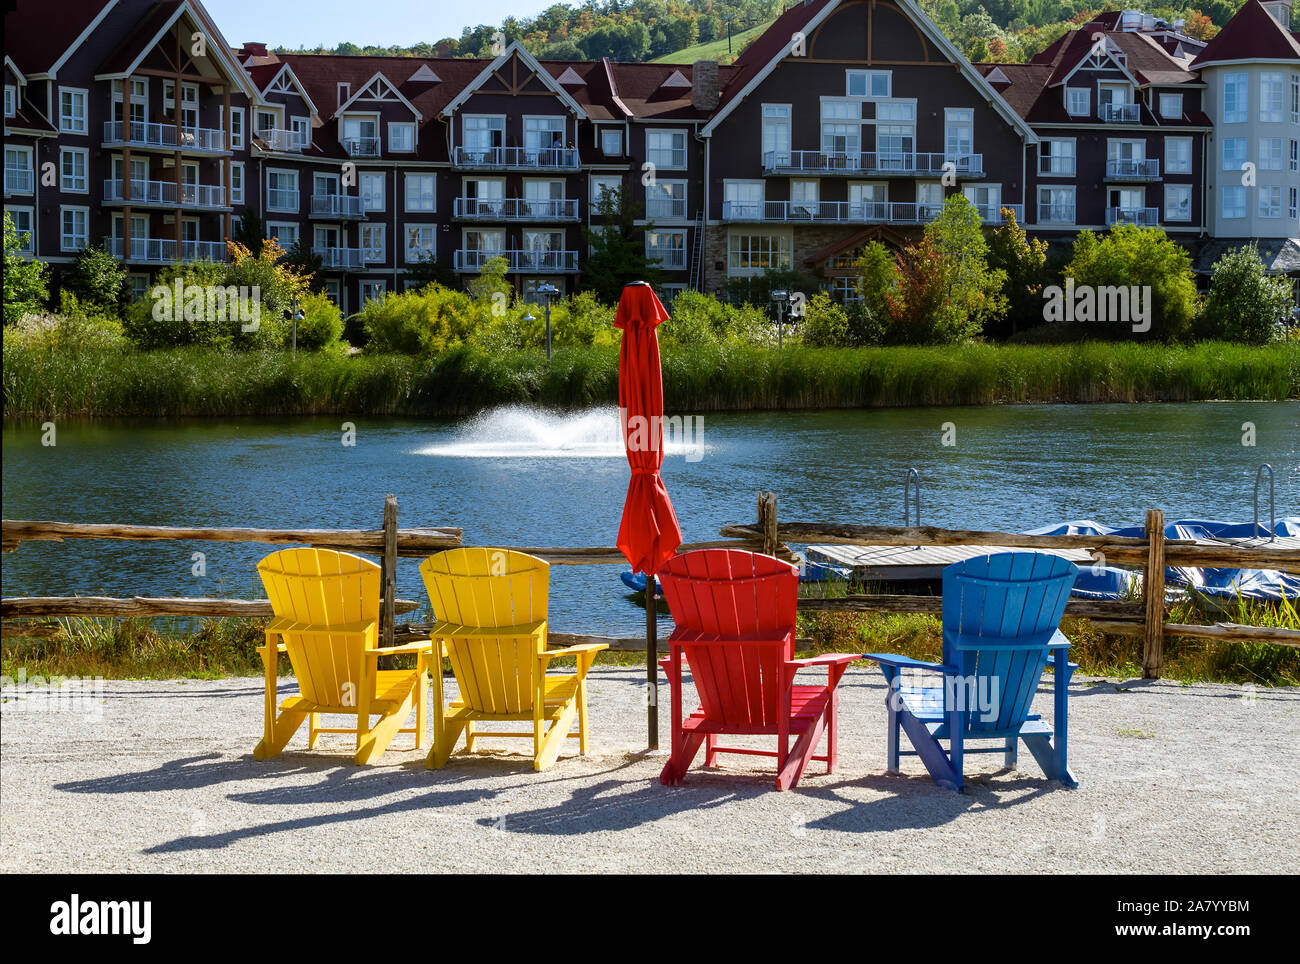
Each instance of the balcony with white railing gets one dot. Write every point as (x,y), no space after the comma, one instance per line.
(885,163)
(516,209)
(668,258)
(1120,113)
(165,194)
(18,181)
(340,259)
(282,199)
(515,159)
(361,146)
(165,250)
(278,140)
(1133,169)
(1142,217)
(336,206)
(672,209)
(1056,214)
(846,212)
(518,260)
(201,140)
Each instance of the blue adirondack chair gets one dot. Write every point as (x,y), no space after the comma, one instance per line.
(1000,618)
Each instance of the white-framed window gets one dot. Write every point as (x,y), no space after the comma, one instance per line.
(20,177)
(286,232)
(805,196)
(138,286)
(868,83)
(1178,155)
(1292,205)
(742,199)
(1234,201)
(666,149)
(756,253)
(281,190)
(236,182)
(139,101)
(987,199)
(237,127)
(1270,201)
(372,190)
(611,142)
(74,228)
(1236,98)
(11,100)
(1078,101)
(1234,153)
(343,91)
(1178,202)
(600,183)
(302,127)
(1272,89)
(776,129)
(895,132)
(1270,153)
(668,248)
(421,194)
(1293,162)
(74,169)
(665,199)
(333,292)
(929,199)
(373,290)
(265,120)
(959,132)
(1295,98)
(1171,106)
(544,133)
(401,136)
(1056,205)
(372,243)
(72,110)
(24,219)
(420,242)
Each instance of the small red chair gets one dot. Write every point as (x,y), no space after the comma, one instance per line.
(734,616)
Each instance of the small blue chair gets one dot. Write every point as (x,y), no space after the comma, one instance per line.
(1000,619)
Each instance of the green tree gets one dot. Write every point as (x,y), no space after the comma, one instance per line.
(97,279)
(1244,303)
(1024,262)
(972,290)
(491,281)
(617,249)
(251,232)
(25,284)
(305,262)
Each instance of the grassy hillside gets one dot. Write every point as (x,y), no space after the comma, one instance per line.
(715,49)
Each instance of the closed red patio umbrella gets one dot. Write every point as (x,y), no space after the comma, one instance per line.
(648,535)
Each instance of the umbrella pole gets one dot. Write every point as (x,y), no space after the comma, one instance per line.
(651,664)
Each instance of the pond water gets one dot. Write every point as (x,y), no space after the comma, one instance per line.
(528,477)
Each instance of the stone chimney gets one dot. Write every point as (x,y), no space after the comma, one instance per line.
(704,85)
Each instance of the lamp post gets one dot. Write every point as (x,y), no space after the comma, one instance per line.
(296,314)
(779,298)
(548,290)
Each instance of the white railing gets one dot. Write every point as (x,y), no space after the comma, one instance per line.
(336,206)
(339,258)
(1121,113)
(518,260)
(361,146)
(281,199)
(516,209)
(667,257)
(846,212)
(164,192)
(166,250)
(872,162)
(1056,214)
(517,158)
(278,140)
(1145,168)
(18,181)
(1142,217)
(163,135)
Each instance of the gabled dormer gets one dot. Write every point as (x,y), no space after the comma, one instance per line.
(377,111)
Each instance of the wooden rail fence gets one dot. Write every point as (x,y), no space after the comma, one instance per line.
(1150,553)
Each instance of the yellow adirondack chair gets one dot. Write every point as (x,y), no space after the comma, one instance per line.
(326,606)
(491,610)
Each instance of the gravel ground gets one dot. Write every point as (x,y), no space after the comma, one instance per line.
(159,776)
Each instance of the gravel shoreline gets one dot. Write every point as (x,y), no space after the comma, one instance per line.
(159,777)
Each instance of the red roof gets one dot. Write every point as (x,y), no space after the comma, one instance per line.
(767,45)
(1251,34)
(47,33)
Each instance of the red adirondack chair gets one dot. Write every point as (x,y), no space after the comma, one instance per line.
(734,616)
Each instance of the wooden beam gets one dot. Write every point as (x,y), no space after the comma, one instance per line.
(832,533)
(16,531)
(1153,596)
(386,614)
(933,605)
(21,607)
(1236,631)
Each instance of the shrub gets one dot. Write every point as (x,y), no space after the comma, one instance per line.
(1024,262)
(25,287)
(824,324)
(97,279)
(758,290)
(155,322)
(423,322)
(73,328)
(1244,303)
(322,323)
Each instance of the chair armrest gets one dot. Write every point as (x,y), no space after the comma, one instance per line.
(825,659)
(550,654)
(279,648)
(421,646)
(906,662)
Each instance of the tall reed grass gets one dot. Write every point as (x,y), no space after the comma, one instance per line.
(114,382)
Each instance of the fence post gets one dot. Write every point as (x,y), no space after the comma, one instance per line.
(388,614)
(1153,595)
(767,522)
